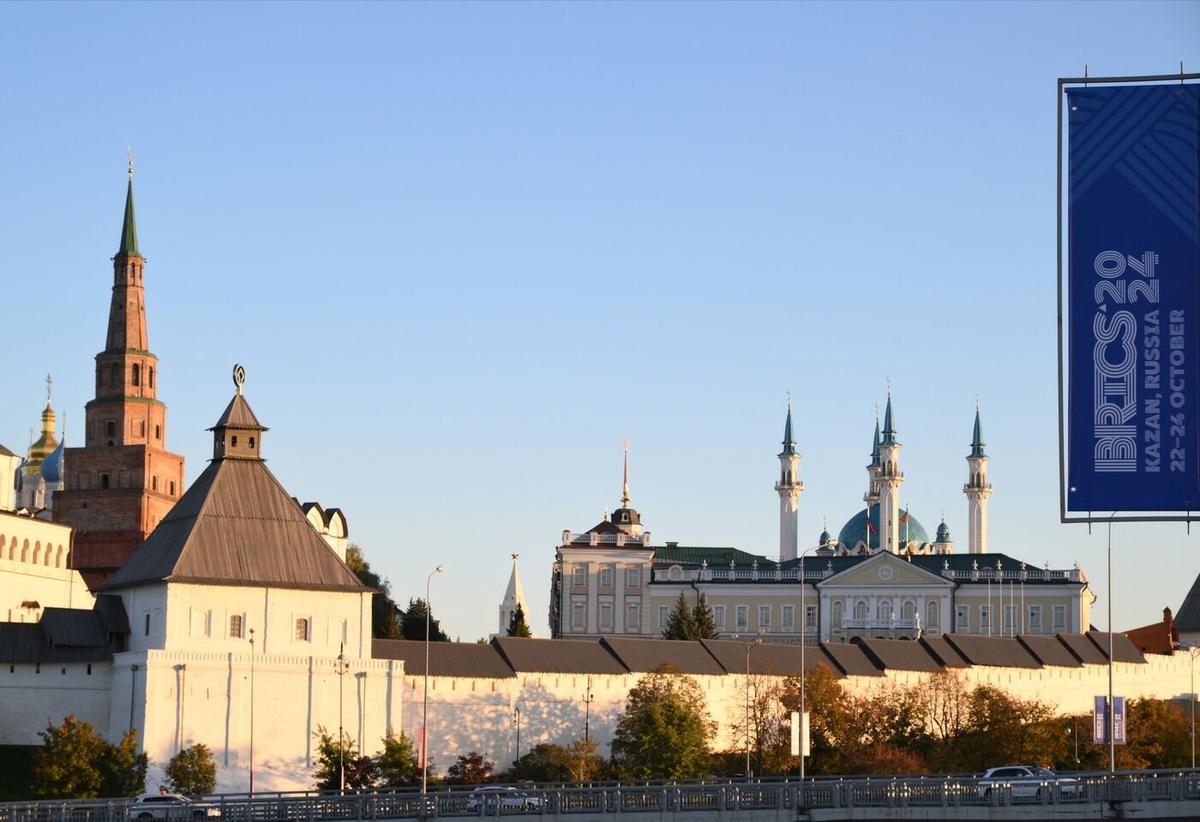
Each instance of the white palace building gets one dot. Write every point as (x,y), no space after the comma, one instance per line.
(881,577)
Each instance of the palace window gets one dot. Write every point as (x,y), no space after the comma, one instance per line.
(633,612)
(606,577)
(632,577)
(1010,618)
(962,618)
(860,609)
(302,634)
(931,614)
(664,616)
(985,618)
(741,617)
(579,576)
(719,616)
(1060,617)
(883,610)
(235,626)
(838,608)
(810,616)
(1035,619)
(908,610)
(606,616)
(764,617)
(787,617)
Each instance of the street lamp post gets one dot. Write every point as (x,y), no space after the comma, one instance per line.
(341,667)
(749,645)
(517,720)
(425,699)
(1192,652)
(803,628)
(252,712)
(587,712)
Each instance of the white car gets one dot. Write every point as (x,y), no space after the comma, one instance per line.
(502,798)
(171,807)
(1026,781)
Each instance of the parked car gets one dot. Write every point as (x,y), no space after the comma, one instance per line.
(171,807)
(1027,782)
(502,799)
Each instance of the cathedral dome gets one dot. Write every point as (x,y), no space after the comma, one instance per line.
(52,466)
(855,530)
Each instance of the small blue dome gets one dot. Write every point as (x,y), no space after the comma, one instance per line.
(52,466)
(855,530)
(824,538)
(943,532)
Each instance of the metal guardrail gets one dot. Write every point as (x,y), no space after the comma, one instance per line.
(820,793)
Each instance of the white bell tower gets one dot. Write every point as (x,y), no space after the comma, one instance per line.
(789,488)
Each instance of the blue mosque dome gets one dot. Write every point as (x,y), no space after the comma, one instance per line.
(52,465)
(855,530)
(943,532)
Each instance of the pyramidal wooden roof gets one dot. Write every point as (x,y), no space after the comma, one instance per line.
(238,415)
(236,525)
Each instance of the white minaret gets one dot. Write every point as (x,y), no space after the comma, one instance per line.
(890,480)
(977,489)
(514,595)
(789,487)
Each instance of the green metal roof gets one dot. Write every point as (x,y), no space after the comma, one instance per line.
(977,438)
(789,444)
(889,428)
(692,555)
(129,242)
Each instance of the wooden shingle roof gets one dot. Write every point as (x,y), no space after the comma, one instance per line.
(236,525)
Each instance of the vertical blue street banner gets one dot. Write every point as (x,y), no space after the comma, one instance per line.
(1119,720)
(1100,720)
(1133,278)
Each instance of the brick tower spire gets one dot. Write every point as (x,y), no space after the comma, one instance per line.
(123,481)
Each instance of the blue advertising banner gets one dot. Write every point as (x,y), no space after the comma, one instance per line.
(1134,298)
(1100,720)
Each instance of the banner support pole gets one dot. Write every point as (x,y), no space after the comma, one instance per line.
(1112,714)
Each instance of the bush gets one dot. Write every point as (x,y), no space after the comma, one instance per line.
(192,771)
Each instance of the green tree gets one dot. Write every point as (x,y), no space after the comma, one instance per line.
(123,771)
(702,617)
(470,769)
(681,624)
(68,764)
(333,755)
(664,730)
(412,624)
(583,762)
(192,771)
(385,615)
(543,763)
(517,625)
(397,763)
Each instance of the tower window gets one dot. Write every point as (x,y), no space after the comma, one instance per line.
(235,626)
(151,376)
(302,630)
(114,374)
(104,480)
(252,442)
(147,626)
(154,483)
(110,428)
(233,441)
(172,487)
(137,374)
(158,432)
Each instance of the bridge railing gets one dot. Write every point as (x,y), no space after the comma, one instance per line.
(823,792)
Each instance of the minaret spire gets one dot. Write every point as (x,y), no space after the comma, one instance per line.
(977,491)
(789,489)
(890,479)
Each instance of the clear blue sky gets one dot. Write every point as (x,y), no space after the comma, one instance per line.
(465,249)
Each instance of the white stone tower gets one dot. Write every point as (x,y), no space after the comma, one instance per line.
(977,489)
(890,480)
(514,596)
(789,487)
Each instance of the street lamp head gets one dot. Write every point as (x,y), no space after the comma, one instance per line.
(438,570)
